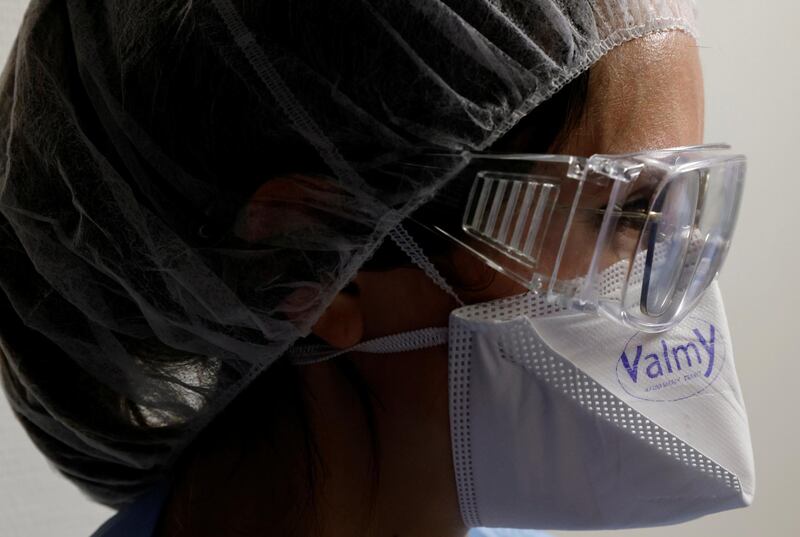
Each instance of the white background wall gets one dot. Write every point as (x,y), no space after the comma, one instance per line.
(749,51)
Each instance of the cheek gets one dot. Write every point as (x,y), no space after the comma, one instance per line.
(475,281)
(410,383)
(401,300)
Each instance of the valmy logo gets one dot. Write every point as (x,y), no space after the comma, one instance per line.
(674,365)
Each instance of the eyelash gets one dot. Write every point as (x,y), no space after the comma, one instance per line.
(635,205)
(638,205)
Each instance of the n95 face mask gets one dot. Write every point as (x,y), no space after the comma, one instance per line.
(572,421)
(567,420)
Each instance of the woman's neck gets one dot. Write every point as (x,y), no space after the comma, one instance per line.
(314,465)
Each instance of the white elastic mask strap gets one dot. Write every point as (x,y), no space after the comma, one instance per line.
(405,242)
(403,342)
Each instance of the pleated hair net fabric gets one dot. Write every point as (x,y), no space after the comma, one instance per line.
(147,275)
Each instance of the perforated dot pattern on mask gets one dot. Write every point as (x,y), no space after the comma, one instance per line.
(459,375)
(531,305)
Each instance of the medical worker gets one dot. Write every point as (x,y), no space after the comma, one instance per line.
(370,268)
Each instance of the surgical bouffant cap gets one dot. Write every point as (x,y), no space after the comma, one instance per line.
(185,185)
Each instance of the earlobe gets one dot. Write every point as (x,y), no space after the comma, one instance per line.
(280,207)
(342,324)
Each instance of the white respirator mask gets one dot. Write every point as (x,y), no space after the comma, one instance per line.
(568,420)
(563,420)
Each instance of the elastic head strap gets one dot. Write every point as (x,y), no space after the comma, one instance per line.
(409,246)
(403,342)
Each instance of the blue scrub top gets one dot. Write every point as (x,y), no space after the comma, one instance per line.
(139,519)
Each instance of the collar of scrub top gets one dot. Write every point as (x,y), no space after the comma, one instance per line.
(140,518)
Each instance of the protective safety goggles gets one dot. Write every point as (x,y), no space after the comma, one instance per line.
(637,236)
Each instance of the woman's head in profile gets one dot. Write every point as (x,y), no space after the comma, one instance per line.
(228,262)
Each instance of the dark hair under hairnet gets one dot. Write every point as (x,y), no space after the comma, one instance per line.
(134,307)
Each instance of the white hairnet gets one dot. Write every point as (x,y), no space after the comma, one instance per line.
(133,306)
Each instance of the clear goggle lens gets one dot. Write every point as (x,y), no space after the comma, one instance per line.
(683,244)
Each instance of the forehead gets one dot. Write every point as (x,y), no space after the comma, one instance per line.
(645,94)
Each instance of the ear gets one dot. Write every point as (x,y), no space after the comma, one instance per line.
(342,324)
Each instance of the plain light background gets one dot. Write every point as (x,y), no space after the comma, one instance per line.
(749,51)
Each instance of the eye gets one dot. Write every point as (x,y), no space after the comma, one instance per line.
(634,212)
(631,215)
